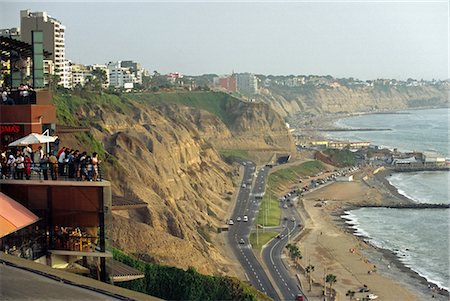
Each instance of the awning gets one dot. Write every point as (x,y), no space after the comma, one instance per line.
(121,272)
(33,138)
(13,216)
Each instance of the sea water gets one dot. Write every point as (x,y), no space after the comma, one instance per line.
(419,237)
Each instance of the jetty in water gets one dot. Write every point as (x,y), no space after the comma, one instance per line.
(414,168)
(352,130)
(412,206)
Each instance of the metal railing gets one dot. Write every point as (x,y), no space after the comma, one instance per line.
(52,171)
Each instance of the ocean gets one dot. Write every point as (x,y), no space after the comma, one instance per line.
(420,238)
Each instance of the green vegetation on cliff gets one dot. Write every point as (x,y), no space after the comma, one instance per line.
(341,158)
(270,212)
(171,283)
(231,155)
(217,103)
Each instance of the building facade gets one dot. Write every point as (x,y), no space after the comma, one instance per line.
(54,40)
(121,76)
(247,83)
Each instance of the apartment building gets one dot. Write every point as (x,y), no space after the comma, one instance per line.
(123,74)
(79,74)
(247,83)
(54,40)
(103,68)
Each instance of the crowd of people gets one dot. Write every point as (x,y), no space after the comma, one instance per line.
(24,95)
(19,164)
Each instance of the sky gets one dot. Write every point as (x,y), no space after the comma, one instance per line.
(360,39)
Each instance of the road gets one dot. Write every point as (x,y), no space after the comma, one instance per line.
(248,205)
(18,284)
(272,255)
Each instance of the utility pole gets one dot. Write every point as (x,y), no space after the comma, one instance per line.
(257,236)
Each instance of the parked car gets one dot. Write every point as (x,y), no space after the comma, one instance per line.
(230,222)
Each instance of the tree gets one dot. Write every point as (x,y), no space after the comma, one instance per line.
(330,278)
(294,252)
(100,77)
(350,294)
(309,270)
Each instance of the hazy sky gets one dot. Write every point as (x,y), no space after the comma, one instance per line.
(358,39)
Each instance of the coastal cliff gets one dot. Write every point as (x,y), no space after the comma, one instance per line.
(316,100)
(162,149)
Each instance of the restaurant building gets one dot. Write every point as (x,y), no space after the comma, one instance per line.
(32,111)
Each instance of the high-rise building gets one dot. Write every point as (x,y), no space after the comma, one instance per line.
(247,83)
(54,33)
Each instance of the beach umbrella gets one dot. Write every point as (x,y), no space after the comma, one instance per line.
(13,216)
(33,138)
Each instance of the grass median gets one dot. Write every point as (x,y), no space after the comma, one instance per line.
(263,238)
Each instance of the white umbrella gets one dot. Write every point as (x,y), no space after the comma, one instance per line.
(33,138)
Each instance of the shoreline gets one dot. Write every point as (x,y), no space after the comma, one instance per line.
(381,177)
(388,264)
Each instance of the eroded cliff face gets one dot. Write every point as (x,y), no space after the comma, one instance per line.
(167,156)
(288,100)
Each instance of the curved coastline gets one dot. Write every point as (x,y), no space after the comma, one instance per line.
(393,256)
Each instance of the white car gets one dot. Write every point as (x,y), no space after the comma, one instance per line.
(238,219)
(245,218)
(242,241)
(230,222)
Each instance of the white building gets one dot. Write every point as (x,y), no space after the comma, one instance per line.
(120,75)
(54,40)
(247,83)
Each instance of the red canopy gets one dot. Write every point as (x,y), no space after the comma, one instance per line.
(13,216)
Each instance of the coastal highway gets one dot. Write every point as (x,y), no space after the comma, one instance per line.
(248,205)
(271,255)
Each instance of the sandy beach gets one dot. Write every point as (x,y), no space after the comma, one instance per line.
(328,244)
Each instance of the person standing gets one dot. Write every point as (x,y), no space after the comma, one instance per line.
(11,165)
(43,163)
(71,164)
(27,151)
(95,163)
(61,162)
(20,166)
(27,163)
(53,162)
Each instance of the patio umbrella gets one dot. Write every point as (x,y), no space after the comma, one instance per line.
(33,138)
(13,216)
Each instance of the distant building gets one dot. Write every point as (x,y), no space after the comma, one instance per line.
(247,83)
(104,68)
(135,68)
(124,73)
(13,33)
(80,74)
(227,83)
(348,144)
(54,40)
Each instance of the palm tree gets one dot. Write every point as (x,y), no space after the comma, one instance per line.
(330,278)
(309,270)
(350,294)
(294,252)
